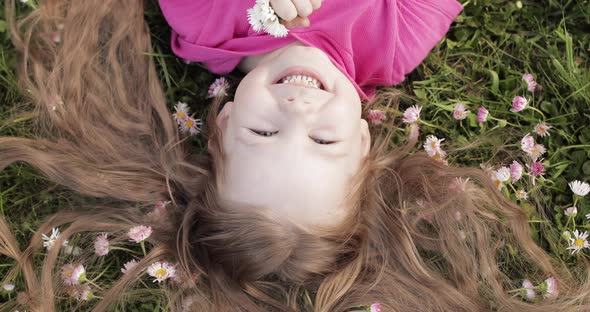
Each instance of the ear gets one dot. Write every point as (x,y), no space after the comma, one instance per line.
(222,119)
(365,138)
(223,115)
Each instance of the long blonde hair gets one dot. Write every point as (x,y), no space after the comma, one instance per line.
(418,239)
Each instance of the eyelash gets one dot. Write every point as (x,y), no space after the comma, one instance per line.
(269,133)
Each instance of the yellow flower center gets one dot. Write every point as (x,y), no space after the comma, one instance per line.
(69,273)
(189,123)
(433,144)
(161,273)
(497,183)
(579,242)
(181,115)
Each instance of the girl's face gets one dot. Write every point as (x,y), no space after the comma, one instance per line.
(275,135)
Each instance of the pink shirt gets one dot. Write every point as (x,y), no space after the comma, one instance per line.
(373,42)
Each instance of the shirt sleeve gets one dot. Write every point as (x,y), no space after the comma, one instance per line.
(421,25)
(202,30)
(187,18)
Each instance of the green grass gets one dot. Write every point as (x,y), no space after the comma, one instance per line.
(480,62)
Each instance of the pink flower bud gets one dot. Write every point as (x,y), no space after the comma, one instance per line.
(515,171)
(518,104)
(376,116)
(528,77)
(482,114)
(460,112)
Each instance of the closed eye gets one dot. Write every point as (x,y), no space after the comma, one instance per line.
(271,133)
(264,133)
(322,142)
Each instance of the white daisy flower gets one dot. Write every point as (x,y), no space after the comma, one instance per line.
(263,17)
(432,145)
(529,289)
(182,111)
(129,265)
(536,151)
(82,293)
(139,233)
(255,18)
(191,125)
(460,112)
(72,250)
(440,155)
(571,211)
(101,245)
(73,274)
(503,174)
(275,28)
(578,242)
(161,270)
(521,194)
(8,287)
(542,129)
(497,182)
(49,241)
(412,114)
(579,188)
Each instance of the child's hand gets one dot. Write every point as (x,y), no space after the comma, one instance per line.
(295,12)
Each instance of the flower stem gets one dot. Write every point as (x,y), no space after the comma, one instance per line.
(433,126)
(123,249)
(538,111)
(93,284)
(142,248)
(504,120)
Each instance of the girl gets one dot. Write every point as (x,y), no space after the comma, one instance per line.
(300,142)
(413,234)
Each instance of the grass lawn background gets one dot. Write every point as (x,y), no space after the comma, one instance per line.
(480,63)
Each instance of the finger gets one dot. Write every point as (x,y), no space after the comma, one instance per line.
(284,9)
(316,4)
(304,7)
(297,22)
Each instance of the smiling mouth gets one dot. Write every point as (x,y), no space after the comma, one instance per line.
(301,77)
(301,80)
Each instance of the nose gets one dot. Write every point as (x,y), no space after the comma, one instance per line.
(299,103)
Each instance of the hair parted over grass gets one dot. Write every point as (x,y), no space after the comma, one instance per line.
(415,240)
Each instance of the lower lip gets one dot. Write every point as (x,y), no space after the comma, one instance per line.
(301,71)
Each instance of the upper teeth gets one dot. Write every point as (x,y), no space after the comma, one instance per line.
(302,78)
